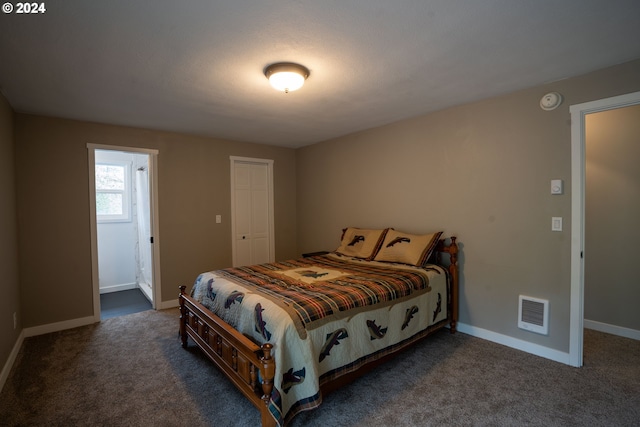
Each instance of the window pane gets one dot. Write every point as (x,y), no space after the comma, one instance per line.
(109,177)
(109,204)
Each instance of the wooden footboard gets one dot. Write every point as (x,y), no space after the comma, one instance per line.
(241,359)
(236,355)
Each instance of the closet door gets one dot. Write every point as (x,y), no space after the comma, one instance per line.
(252,211)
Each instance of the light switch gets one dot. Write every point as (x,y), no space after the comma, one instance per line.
(218,219)
(556,223)
(556,186)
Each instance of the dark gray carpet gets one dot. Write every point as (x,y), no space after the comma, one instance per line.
(118,373)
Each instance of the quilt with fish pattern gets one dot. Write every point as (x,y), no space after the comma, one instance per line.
(325,316)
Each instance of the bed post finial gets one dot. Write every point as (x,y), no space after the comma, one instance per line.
(454,250)
(183,317)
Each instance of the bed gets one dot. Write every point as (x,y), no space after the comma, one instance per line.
(285,333)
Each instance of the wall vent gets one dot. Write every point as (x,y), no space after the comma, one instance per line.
(533,314)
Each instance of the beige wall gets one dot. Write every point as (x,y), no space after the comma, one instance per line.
(612,288)
(479,171)
(9,289)
(53,208)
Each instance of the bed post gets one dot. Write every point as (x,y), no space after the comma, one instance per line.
(183,317)
(453,271)
(268,373)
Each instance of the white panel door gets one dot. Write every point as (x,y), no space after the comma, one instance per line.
(252,216)
(242,209)
(259,213)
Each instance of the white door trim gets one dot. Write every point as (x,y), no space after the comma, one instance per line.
(269,163)
(578,166)
(155,222)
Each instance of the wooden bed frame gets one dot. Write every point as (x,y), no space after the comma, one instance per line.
(241,359)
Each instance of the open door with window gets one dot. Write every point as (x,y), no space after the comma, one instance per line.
(123,230)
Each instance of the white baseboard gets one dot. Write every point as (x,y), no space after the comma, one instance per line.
(118,288)
(59,326)
(612,329)
(11,360)
(169,304)
(535,349)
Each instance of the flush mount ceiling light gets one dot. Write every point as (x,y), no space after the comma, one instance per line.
(286,76)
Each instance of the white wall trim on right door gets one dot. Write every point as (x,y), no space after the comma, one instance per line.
(612,329)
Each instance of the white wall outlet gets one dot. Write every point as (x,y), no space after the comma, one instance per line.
(556,223)
(15,320)
(218,219)
(556,186)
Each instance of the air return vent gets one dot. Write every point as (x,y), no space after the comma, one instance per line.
(533,315)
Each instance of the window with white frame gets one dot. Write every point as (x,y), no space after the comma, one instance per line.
(113,191)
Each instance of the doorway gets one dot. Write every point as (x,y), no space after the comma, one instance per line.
(612,208)
(123,230)
(578,166)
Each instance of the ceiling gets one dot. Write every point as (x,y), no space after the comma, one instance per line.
(197,66)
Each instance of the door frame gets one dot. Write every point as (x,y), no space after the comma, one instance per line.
(269,163)
(155,221)
(578,179)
